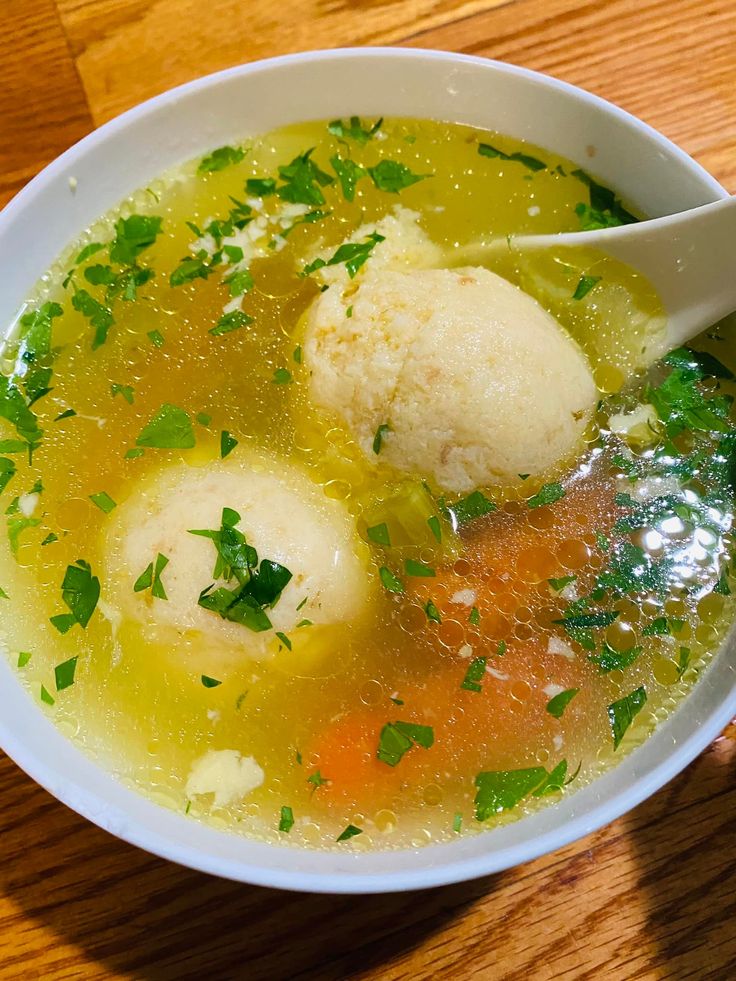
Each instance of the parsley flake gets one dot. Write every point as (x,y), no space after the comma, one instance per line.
(549,494)
(475,674)
(210,682)
(64,673)
(585,285)
(622,713)
(286,821)
(397,738)
(354,129)
(103,501)
(80,591)
(379,534)
(557,705)
(418,569)
(353,254)
(282,376)
(378,438)
(230,322)
(392,176)
(531,163)
(350,832)
(170,428)
(227,443)
(223,156)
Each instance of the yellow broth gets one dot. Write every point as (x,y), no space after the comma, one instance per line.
(313,716)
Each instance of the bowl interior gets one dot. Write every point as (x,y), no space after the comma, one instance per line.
(133,149)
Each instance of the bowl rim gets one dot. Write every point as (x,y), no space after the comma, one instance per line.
(111,818)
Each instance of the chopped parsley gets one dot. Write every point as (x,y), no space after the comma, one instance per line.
(302,181)
(559,584)
(474,617)
(378,438)
(379,534)
(392,176)
(284,639)
(317,780)
(229,322)
(435,528)
(432,612)
(150,578)
(220,158)
(50,538)
(23,658)
(531,163)
(125,390)
(210,682)
(354,129)
(390,581)
(418,569)
(605,210)
(227,443)
(297,354)
(80,591)
(474,675)
(475,505)
(260,187)
(580,626)
(549,494)
(156,338)
(622,713)
(683,660)
(662,626)
(584,286)
(353,254)
(7,472)
(64,673)
(46,697)
(502,790)
(397,738)
(99,315)
(350,832)
(103,501)
(286,821)
(612,660)
(348,173)
(282,376)
(169,429)
(457,823)
(257,586)
(557,705)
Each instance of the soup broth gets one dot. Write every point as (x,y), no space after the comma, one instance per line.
(502,647)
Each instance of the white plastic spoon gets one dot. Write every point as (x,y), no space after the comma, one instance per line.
(689,258)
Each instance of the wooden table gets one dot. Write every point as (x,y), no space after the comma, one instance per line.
(652,896)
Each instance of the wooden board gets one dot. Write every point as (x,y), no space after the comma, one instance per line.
(652,896)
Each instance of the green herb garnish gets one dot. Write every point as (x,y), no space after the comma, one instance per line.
(432,612)
(584,286)
(622,713)
(353,254)
(227,443)
(80,591)
(379,534)
(150,578)
(220,158)
(557,705)
(418,569)
(282,376)
(378,438)
(549,494)
(210,682)
(392,176)
(390,581)
(229,322)
(612,660)
(286,821)
(475,505)
(397,738)
(531,163)
(64,673)
(103,501)
(170,428)
(474,675)
(350,832)
(354,129)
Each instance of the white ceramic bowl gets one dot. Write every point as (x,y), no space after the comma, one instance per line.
(131,150)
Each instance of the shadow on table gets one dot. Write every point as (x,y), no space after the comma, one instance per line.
(682,845)
(144,918)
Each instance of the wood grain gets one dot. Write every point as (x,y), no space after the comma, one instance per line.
(650,897)
(672,64)
(43,107)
